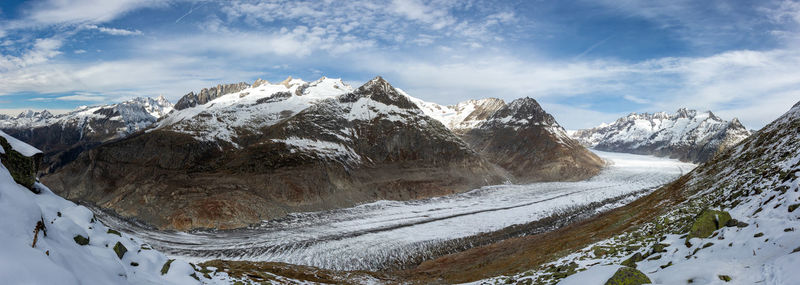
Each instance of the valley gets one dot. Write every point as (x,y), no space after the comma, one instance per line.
(397,234)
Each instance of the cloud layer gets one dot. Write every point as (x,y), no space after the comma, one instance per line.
(736,59)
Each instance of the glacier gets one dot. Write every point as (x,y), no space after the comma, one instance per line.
(391,234)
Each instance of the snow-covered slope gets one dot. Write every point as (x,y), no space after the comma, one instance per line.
(463,116)
(739,222)
(70,245)
(687,135)
(226,117)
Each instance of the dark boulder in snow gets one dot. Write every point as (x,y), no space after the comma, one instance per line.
(707,222)
(628,276)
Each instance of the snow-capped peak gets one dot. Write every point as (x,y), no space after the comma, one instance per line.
(462,116)
(252,107)
(667,134)
(135,114)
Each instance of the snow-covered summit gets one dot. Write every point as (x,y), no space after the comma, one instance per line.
(134,114)
(259,105)
(687,134)
(462,116)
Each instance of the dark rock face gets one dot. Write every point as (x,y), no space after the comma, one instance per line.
(527,141)
(686,135)
(207,94)
(22,168)
(363,146)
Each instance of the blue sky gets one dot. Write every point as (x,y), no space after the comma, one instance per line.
(586,61)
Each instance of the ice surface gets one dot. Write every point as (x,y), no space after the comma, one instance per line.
(379,234)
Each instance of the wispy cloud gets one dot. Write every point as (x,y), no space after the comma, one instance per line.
(50,12)
(83,97)
(114,31)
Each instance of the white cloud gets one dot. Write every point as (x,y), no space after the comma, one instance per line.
(51,12)
(752,85)
(436,17)
(635,99)
(41,50)
(114,31)
(83,97)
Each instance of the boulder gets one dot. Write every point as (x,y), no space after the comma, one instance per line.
(22,168)
(707,222)
(628,276)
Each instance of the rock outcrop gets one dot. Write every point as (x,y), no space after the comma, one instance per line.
(207,94)
(21,160)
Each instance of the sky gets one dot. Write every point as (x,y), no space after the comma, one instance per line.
(585,61)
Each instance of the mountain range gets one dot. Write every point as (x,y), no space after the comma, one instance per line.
(732,219)
(230,160)
(63,137)
(236,154)
(687,135)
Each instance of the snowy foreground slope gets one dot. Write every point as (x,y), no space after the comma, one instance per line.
(73,247)
(739,223)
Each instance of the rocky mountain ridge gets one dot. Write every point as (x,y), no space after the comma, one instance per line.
(528,142)
(520,137)
(687,135)
(62,137)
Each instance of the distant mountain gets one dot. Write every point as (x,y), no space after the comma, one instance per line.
(463,116)
(63,137)
(271,149)
(520,137)
(527,141)
(686,135)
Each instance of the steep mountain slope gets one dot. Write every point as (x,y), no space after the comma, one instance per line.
(733,219)
(64,136)
(686,135)
(520,137)
(272,149)
(528,142)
